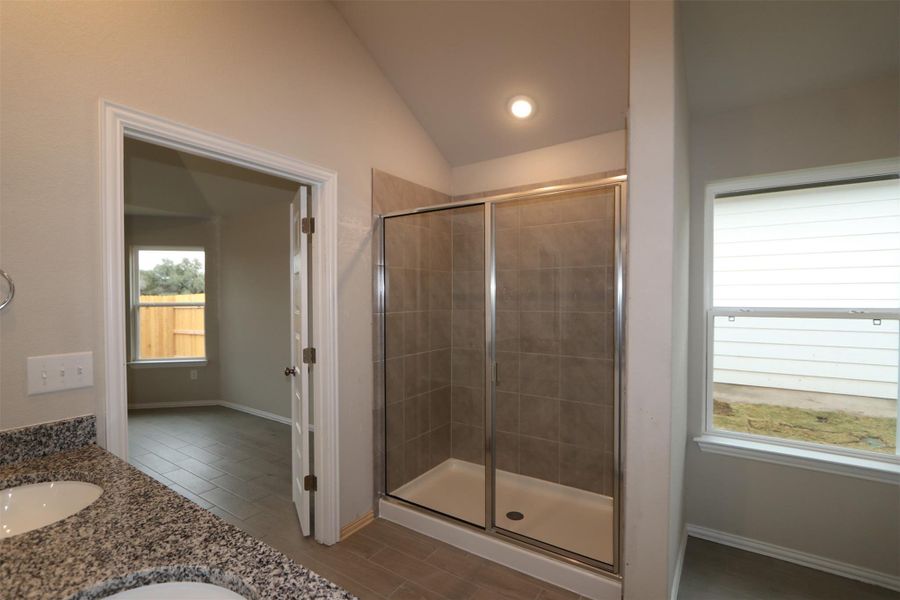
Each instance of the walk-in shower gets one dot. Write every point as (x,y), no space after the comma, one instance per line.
(501,320)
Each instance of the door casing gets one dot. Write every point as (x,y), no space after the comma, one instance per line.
(118,122)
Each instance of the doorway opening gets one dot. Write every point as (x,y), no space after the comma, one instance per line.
(219,274)
(216,278)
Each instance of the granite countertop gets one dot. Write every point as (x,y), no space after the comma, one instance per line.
(137,532)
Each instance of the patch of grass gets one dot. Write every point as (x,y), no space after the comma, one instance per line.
(835,428)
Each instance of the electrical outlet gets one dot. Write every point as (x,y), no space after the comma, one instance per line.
(193,374)
(56,372)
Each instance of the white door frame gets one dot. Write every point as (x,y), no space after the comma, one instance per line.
(118,122)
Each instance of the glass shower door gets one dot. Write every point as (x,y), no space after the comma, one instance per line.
(554,332)
(434,336)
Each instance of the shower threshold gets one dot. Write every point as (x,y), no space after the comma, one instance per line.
(575,520)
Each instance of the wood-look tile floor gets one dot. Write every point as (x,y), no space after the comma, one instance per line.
(238,466)
(716,572)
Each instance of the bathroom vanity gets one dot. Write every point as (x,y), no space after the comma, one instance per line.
(136,533)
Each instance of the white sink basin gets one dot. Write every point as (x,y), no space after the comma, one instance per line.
(178,590)
(36,505)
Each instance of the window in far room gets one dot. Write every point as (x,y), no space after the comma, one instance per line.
(168,304)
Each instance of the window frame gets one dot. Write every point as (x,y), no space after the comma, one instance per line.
(135,304)
(823,457)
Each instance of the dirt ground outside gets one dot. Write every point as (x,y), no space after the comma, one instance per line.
(846,421)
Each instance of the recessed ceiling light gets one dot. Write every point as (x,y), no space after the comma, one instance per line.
(521,107)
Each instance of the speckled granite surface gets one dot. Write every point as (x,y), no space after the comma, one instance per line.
(138,532)
(46,438)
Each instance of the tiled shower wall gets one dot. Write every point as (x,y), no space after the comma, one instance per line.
(555,339)
(555,269)
(467,325)
(416,425)
(417,349)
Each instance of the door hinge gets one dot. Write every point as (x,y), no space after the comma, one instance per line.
(309,356)
(308,225)
(310,483)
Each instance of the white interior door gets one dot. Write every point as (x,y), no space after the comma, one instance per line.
(300,370)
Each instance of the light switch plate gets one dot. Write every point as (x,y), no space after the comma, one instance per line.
(56,372)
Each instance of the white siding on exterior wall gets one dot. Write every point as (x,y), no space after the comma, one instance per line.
(825,247)
(837,356)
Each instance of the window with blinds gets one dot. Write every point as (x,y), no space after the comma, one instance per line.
(803,323)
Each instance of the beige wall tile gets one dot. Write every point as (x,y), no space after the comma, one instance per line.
(581,467)
(539,417)
(506,247)
(585,288)
(440,365)
(582,334)
(507,451)
(391,193)
(539,332)
(468,329)
(439,412)
(586,379)
(415,332)
(539,374)
(507,331)
(506,412)
(394,332)
(507,282)
(439,328)
(468,250)
(508,371)
(394,381)
(467,367)
(582,424)
(468,290)
(467,443)
(539,458)
(467,405)
(539,289)
(416,416)
(416,374)
(439,445)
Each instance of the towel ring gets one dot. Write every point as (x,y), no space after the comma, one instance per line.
(12,289)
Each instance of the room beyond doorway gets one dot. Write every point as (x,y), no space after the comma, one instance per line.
(217,286)
(229,462)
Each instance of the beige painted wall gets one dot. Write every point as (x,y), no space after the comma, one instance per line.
(173,383)
(255,308)
(838,517)
(287,77)
(680,311)
(654,303)
(604,152)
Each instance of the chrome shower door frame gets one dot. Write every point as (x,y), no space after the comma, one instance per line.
(619,186)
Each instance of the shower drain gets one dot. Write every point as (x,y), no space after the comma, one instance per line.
(514,515)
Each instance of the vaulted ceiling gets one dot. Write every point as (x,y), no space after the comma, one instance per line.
(457,63)
(164,182)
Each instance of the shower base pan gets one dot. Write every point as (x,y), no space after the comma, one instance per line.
(554,514)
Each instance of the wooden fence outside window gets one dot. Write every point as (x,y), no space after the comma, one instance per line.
(172,331)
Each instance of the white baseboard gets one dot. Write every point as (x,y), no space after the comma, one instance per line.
(256,412)
(191,403)
(188,404)
(679,565)
(813,561)
(563,574)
